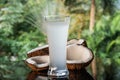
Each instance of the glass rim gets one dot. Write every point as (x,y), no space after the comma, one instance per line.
(56,18)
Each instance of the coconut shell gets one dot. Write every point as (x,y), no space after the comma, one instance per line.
(78,42)
(78,57)
(41,51)
(34,68)
(38,63)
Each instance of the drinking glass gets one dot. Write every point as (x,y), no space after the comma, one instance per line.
(57,32)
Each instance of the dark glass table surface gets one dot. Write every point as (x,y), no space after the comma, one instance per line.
(73,75)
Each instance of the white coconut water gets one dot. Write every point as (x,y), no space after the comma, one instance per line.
(57,32)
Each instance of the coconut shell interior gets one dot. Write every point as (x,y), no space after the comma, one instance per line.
(78,56)
(37,63)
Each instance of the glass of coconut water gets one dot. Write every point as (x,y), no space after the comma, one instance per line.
(57,32)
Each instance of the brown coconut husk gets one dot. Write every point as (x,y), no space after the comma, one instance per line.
(38,63)
(76,64)
(41,51)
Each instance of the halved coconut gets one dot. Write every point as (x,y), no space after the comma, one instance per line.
(39,51)
(38,63)
(78,56)
(79,42)
(43,50)
(73,41)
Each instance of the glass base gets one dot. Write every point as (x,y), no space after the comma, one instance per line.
(58,73)
(58,78)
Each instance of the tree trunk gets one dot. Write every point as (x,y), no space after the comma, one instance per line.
(91,28)
(92,16)
(94,70)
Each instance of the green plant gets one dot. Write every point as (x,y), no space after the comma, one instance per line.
(17,37)
(105,43)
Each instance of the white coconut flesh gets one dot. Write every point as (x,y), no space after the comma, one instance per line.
(80,41)
(39,61)
(78,54)
(73,41)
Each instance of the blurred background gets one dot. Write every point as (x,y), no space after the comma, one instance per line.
(96,21)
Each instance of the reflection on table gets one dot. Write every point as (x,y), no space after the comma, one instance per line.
(73,75)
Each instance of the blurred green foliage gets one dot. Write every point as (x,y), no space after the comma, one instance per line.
(105,40)
(17,37)
(20,31)
(105,43)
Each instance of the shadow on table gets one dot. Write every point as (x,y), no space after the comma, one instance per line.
(73,75)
